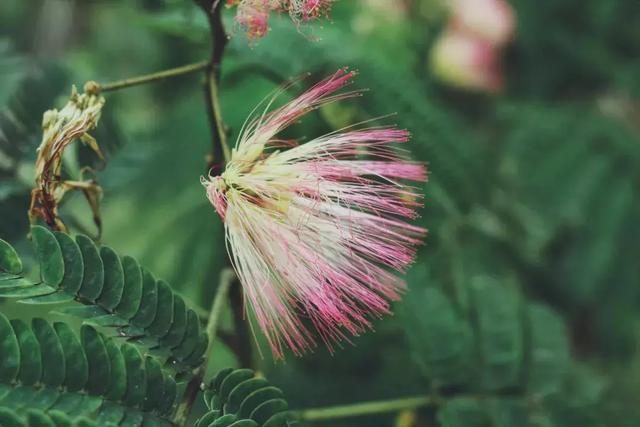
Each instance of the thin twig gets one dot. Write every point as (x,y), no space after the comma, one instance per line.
(96,87)
(226,279)
(366,408)
(195,384)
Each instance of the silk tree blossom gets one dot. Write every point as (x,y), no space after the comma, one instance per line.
(316,229)
(253,15)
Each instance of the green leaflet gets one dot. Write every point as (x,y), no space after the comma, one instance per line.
(49,255)
(73,263)
(9,260)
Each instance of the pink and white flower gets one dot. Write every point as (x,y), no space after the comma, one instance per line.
(316,229)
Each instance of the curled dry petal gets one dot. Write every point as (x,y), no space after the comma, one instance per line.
(61,128)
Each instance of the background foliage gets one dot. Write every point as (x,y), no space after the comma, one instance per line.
(525,301)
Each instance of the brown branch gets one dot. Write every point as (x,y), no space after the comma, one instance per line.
(219,155)
(243,340)
(219,147)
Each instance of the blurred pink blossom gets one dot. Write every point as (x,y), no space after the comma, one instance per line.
(467,54)
(466,62)
(313,229)
(490,20)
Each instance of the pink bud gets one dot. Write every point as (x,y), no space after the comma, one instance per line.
(465,61)
(491,20)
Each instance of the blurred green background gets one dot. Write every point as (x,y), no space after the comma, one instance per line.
(524,305)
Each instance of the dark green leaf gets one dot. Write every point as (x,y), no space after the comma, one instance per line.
(108,320)
(190,340)
(7,276)
(69,402)
(149,304)
(83,312)
(54,298)
(113,279)
(257,398)
(98,361)
(77,370)
(267,409)
(44,398)
(93,276)
(197,355)
(53,361)
(441,341)
(207,419)
(17,398)
(155,382)
(500,330)
(49,255)
(73,263)
(178,327)
(169,392)
(9,259)
(90,404)
(8,418)
(38,419)
(241,391)
(136,376)
(60,419)
(15,282)
(31,291)
(280,419)
(550,358)
(164,312)
(224,421)
(118,385)
(132,419)
(110,414)
(30,356)
(132,293)
(10,351)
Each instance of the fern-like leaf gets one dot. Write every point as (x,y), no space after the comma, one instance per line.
(114,291)
(47,368)
(237,398)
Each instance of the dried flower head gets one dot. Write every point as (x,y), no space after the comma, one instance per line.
(314,229)
(61,128)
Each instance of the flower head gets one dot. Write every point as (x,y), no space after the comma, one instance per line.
(253,15)
(315,229)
